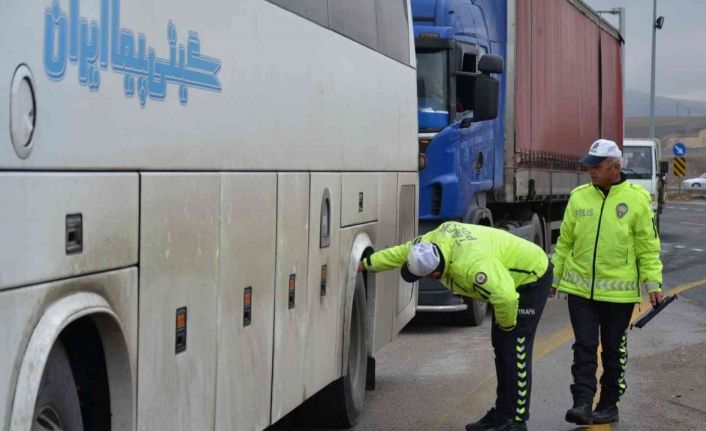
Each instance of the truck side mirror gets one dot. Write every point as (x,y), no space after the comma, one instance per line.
(663,168)
(490,63)
(486,94)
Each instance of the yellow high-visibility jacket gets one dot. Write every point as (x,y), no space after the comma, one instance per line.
(609,247)
(480,262)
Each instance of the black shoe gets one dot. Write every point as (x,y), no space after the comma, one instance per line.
(606,415)
(580,414)
(486,422)
(509,425)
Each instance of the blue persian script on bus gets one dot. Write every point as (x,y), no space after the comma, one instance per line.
(69,38)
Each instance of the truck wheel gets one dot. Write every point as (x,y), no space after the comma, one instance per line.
(696,186)
(57,407)
(473,315)
(340,404)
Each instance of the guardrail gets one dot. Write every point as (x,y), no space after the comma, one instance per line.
(688,193)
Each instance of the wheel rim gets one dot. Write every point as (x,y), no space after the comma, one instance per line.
(47,420)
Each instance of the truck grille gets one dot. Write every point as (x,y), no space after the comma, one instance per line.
(436,199)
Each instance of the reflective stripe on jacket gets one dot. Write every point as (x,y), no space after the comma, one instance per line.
(609,247)
(480,262)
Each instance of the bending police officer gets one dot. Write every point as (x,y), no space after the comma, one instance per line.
(607,251)
(490,265)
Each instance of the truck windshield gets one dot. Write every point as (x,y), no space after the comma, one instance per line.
(637,162)
(432,92)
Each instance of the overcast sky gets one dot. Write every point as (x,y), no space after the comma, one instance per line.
(681,45)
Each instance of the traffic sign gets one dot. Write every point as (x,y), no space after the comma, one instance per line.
(679,166)
(679,149)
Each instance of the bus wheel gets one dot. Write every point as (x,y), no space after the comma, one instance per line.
(471,316)
(57,407)
(347,403)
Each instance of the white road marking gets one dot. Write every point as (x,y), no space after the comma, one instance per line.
(692,224)
(679,246)
(671,208)
(696,249)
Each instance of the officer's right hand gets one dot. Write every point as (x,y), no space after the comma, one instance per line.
(552,292)
(361,267)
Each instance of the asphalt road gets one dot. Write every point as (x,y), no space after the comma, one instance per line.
(435,376)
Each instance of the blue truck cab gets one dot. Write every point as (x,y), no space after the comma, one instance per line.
(459,44)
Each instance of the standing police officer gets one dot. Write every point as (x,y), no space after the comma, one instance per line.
(489,265)
(608,250)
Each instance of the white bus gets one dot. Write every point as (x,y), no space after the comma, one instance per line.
(186,189)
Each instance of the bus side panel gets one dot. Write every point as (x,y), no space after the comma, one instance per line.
(247,261)
(386,283)
(35,209)
(291,317)
(406,230)
(322,336)
(178,272)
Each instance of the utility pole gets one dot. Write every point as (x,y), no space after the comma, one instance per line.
(657,24)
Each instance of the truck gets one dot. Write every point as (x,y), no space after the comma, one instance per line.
(560,89)
(186,191)
(643,165)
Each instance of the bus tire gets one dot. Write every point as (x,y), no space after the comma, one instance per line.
(340,404)
(57,407)
(473,315)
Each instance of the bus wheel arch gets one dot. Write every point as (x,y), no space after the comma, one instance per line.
(340,403)
(83,329)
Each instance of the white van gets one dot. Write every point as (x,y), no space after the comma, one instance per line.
(642,165)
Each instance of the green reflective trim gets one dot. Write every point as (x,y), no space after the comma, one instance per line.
(622,384)
(522,392)
(522,374)
(522,355)
(606,285)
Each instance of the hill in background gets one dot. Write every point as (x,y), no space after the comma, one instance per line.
(637,104)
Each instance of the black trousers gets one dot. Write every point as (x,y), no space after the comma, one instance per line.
(589,319)
(513,351)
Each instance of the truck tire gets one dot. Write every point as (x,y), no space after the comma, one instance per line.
(473,315)
(57,407)
(340,404)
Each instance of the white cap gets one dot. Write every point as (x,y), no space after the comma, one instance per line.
(601,149)
(422,260)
